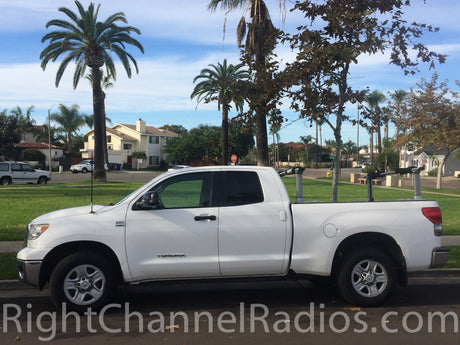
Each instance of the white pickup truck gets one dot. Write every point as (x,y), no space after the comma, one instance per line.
(228,222)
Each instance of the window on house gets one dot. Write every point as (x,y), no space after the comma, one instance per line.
(109,138)
(154,139)
(154,160)
(127,146)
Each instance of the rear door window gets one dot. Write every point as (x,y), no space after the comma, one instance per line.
(242,188)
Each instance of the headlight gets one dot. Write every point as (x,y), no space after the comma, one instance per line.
(35,230)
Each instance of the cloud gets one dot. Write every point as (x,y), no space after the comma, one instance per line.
(163,84)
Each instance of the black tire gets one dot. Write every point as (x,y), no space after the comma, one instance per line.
(42,180)
(367,277)
(83,280)
(84,170)
(4,181)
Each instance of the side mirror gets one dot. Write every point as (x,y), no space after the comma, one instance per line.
(149,201)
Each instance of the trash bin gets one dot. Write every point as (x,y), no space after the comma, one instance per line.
(60,169)
(118,166)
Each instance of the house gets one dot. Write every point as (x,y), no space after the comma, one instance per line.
(430,157)
(124,139)
(30,143)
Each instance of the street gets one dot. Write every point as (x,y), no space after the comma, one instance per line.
(276,312)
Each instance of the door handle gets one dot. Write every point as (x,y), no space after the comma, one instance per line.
(198,218)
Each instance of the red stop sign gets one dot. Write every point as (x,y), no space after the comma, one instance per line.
(234,158)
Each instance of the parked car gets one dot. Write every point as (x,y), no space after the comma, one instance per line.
(229,222)
(177,167)
(367,164)
(84,167)
(20,172)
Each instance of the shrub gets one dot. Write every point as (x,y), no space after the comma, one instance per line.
(370,168)
(433,172)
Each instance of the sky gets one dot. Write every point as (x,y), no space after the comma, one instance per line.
(181,37)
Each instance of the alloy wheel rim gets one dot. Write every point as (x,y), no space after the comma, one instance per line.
(84,284)
(369,278)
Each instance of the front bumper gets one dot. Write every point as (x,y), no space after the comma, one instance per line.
(29,272)
(439,257)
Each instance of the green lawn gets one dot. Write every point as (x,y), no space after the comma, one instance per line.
(20,205)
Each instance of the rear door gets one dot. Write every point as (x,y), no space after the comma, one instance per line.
(177,239)
(253,227)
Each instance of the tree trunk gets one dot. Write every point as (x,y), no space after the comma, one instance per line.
(371,146)
(99,172)
(224,135)
(439,177)
(261,138)
(336,170)
(379,138)
(316,147)
(106,150)
(440,167)
(69,141)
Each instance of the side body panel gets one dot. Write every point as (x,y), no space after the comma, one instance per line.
(320,228)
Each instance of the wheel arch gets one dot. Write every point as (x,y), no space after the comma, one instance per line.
(60,252)
(381,241)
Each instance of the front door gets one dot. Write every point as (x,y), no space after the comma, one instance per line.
(178,238)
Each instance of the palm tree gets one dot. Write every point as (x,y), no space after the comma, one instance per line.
(360,98)
(25,121)
(373,100)
(218,83)
(89,120)
(41,135)
(260,37)
(70,120)
(89,43)
(398,97)
(275,128)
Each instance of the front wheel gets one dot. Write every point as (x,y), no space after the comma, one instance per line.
(84,170)
(367,277)
(42,180)
(5,181)
(82,280)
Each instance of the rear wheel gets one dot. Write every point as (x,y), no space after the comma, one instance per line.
(367,277)
(83,280)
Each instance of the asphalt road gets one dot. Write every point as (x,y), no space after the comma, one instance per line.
(426,312)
